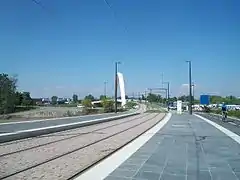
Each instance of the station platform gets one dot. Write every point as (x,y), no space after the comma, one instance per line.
(185,148)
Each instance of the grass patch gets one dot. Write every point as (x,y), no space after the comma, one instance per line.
(232,113)
(24,108)
(3,120)
(155,108)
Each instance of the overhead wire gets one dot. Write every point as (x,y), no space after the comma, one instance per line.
(39,4)
(43,7)
(114,14)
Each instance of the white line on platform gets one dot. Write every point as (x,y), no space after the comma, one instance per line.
(104,168)
(62,125)
(232,123)
(231,134)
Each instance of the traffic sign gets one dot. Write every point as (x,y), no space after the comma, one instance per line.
(205,99)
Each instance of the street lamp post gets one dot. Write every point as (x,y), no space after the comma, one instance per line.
(190,85)
(168,96)
(162,79)
(116,83)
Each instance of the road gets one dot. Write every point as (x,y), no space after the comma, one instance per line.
(13,127)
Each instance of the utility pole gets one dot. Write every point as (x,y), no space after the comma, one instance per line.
(145,96)
(193,88)
(116,84)
(105,89)
(168,95)
(168,87)
(190,85)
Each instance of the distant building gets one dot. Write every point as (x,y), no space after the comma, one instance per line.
(46,101)
(37,101)
(64,100)
(68,100)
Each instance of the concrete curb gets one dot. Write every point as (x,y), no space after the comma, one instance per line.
(52,119)
(6,137)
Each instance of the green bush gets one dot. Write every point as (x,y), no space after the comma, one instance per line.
(68,114)
(24,108)
(233,113)
(121,109)
(87,111)
(108,105)
(87,103)
(130,104)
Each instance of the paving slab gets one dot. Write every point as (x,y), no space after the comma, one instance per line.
(186,148)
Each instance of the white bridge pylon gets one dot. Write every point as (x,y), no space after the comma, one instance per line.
(122,88)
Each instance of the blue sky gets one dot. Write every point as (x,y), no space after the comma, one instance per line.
(70,46)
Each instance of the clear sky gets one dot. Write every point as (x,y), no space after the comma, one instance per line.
(70,46)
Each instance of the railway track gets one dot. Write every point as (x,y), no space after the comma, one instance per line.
(99,135)
(69,135)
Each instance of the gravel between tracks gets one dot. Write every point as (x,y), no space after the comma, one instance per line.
(68,165)
(13,146)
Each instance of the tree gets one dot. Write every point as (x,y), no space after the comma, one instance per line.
(102,97)
(216,99)
(164,100)
(196,101)
(154,98)
(75,98)
(90,97)
(18,98)
(228,99)
(183,98)
(7,93)
(27,100)
(174,99)
(54,100)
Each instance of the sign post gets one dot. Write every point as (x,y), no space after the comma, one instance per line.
(179,107)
